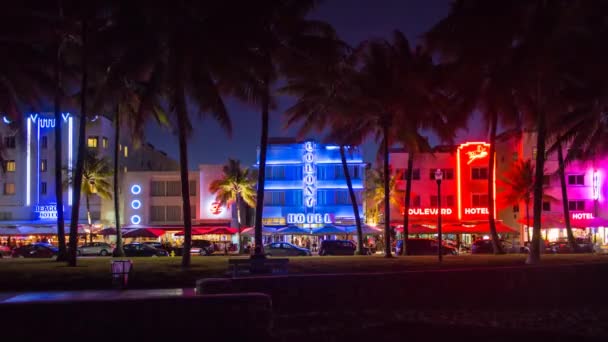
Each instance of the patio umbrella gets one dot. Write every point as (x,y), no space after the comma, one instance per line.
(416,228)
(328,230)
(476,228)
(222,231)
(365,229)
(107,231)
(293,230)
(546,222)
(144,232)
(196,231)
(249,231)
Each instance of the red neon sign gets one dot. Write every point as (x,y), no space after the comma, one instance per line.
(429,211)
(471,155)
(215,208)
(582,216)
(480,153)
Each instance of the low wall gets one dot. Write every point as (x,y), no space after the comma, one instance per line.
(227,317)
(512,287)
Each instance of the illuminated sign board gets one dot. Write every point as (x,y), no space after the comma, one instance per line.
(582,216)
(429,211)
(476,211)
(46,212)
(596,185)
(309,181)
(308,218)
(479,153)
(215,208)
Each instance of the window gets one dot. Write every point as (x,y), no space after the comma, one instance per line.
(546,180)
(546,206)
(174,188)
(96,215)
(44,142)
(6,216)
(342,197)
(534,150)
(449,201)
(9,188)
(43,188)
(274,198)
(479,173)
(192,211)
(401,174)
(515,156)
(158,188)
(10,166)
(157,213)
(192,187)
(275,172)
(43,165)
(516,208)
(10,142)
(104,142)
(416,174)
(576,179)
(356,172)
(479,200)
(416,201)
(446,201)
(576,205)
(448,174)
(92,142)
(126,151)
(174,213)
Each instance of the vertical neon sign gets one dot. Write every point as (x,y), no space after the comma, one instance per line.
(596,185)
(309,175)
(28,157)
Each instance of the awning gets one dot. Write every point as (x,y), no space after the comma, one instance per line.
(196,231)
(249,231)
(145,232)
(222,231)
(107,231)
(416,228)
(476,228)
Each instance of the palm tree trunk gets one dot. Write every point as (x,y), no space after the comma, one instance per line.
(528,218)
(182,125)
(535,251)
(562,179)
(77,178)
(387,196)
(491,166)
(353,201)
(238,222)
(118,251)
(62,255)
(408,198)
(87,197)
(259,206)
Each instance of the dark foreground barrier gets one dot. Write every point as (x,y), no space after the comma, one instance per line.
(501,287)
(228,317)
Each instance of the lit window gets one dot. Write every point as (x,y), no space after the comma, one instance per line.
(126,151)
(43,188)
(576,179)
(546,206)
(479,173)
(44,142)
(104,142)
(576,205)
(92,142)
(9,188)
(10,166)
(480,200)
(43,165)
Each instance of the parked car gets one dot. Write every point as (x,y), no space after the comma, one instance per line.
(285,249)
(337,247)
(5,251)
(427,247)
(154,244)
(36,250)
(563,246)
(201,247)
(95,248)
(140,249)
(485,247)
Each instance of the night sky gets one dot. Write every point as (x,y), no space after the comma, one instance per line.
(355,20)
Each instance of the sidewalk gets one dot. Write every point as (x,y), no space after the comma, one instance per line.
(93,295)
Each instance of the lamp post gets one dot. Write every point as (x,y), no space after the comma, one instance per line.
(438,178)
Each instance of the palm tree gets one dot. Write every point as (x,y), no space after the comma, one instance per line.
(518,185)
(96,173)
(374,190)
(235,187)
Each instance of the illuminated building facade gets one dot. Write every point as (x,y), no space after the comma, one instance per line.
(464,198)
(305,184)
(27,188)
(586,189)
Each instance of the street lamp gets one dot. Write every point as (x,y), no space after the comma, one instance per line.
(438,178)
